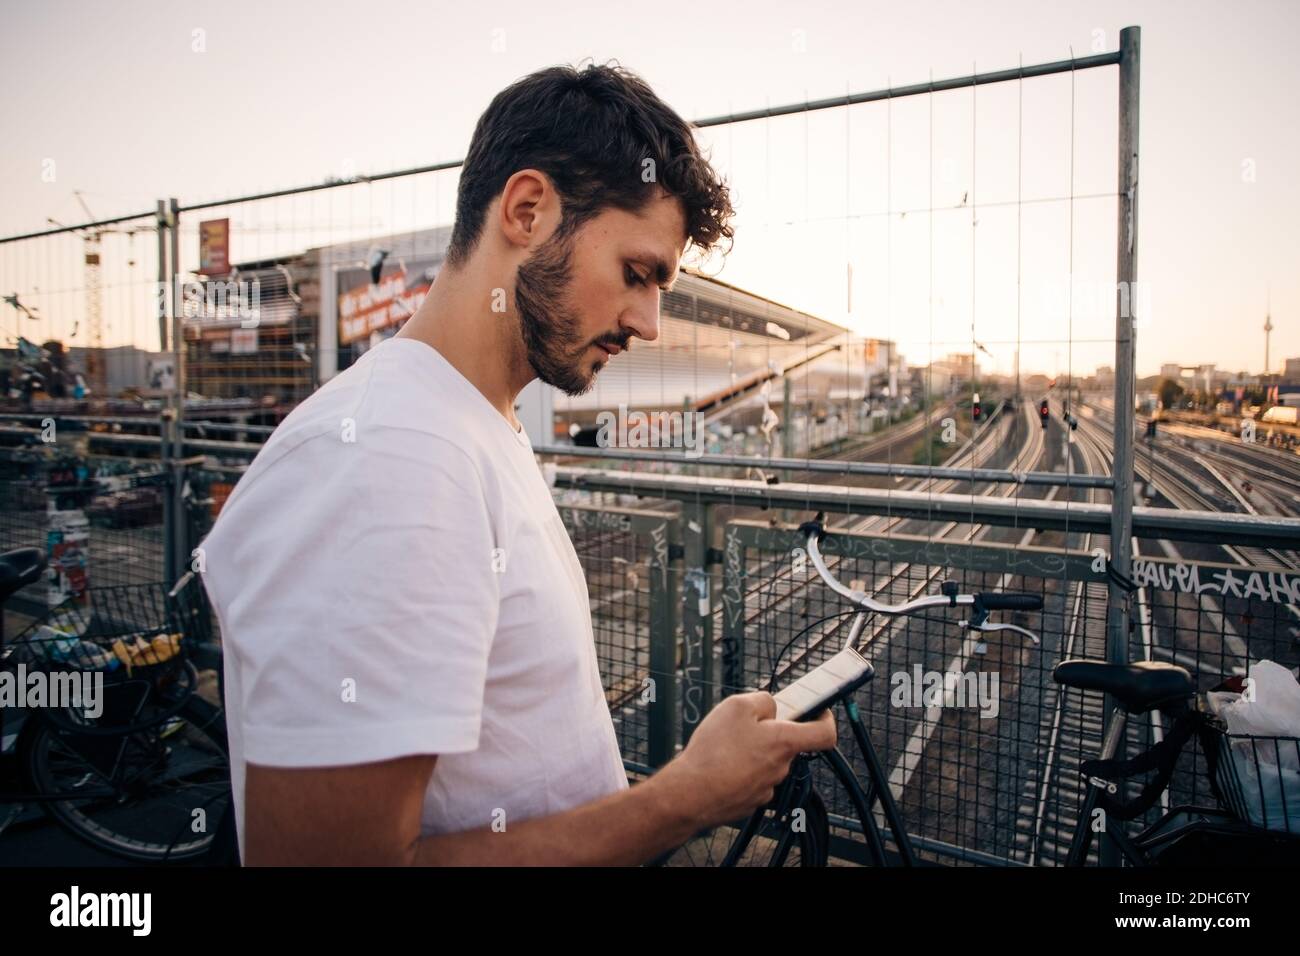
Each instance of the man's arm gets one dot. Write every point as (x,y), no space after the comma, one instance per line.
(369,814)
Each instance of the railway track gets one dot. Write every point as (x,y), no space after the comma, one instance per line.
(630,638)
(767,603)
(1049,810)
(1181,492)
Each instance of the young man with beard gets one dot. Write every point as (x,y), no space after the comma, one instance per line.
(410,671)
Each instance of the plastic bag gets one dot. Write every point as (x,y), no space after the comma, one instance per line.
(1259,766)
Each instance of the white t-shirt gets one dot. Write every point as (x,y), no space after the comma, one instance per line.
(392,577)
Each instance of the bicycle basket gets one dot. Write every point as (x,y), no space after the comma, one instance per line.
(1258,778)
(125,631)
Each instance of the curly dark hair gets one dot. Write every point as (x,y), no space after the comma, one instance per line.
(591,132)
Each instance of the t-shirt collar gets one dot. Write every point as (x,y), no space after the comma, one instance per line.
(521,435)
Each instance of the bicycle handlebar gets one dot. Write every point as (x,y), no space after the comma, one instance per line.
(982,603)
(814,530)
(1005,601)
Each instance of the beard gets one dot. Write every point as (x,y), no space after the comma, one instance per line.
(548,324)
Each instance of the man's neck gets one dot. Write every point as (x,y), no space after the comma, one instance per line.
(456,318)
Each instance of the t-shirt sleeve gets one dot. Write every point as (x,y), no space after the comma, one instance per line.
(360,597)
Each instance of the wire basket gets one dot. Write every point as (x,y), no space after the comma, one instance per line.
(1258,779)
(125,631)
(134,640)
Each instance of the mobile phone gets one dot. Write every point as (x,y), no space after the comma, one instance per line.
(811,694)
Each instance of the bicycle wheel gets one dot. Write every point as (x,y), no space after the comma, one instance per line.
(770,837)
(159,779)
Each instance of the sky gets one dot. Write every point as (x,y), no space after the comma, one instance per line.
(983,215)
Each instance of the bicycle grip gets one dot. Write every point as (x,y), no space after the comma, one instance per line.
(1007,601)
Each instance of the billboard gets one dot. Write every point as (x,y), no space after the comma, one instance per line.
(214,247)
(365,307)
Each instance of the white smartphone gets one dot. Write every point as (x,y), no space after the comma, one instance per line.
(809,695)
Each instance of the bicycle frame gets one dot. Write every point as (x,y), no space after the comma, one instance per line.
(877,792)
(1083,831)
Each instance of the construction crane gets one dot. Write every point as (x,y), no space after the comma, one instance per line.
(94,318)
(95,370)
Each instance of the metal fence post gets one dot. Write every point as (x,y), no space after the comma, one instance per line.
(662,728)
(177,531)
(1121,520)
(733,613)
(697,620)
(167,306)
(161,222)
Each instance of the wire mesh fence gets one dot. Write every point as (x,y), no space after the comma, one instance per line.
(95,526)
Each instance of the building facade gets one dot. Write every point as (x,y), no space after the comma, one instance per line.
(316,313)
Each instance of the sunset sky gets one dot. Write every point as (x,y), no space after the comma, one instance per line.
(993,208)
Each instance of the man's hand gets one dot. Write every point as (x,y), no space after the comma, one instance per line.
(738,755)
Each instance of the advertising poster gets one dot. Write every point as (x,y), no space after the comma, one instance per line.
(214,247)
(365,308)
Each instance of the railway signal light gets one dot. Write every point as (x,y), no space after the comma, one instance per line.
(1044,413)
(976,411)
(1151,428)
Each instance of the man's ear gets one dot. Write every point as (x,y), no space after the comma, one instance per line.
(528,201)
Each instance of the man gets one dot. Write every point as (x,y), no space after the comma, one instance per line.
(410,667)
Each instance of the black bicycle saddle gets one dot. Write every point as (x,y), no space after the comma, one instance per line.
(1138,687)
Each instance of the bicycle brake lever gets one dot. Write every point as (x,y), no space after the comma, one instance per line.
(988,628)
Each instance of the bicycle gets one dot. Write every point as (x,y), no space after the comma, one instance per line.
(134,774)
(779,834)
(1226,833)
(793,829)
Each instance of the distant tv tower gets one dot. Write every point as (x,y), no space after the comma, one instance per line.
(1268,327)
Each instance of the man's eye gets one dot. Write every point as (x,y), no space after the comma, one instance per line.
(633,278)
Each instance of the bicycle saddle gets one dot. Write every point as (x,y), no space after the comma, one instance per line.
(19,568)
(1139,687)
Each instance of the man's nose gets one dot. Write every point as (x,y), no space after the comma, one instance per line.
(643,322)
